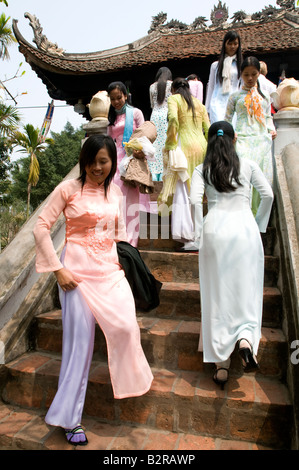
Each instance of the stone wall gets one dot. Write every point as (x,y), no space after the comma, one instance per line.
(286,189)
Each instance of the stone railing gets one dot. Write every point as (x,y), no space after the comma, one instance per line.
(286,189)
(23,292)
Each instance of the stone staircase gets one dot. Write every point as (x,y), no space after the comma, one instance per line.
(184,410)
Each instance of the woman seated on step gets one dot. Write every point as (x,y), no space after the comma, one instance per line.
(231,255)
(92,285)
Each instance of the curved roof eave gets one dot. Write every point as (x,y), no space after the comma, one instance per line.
(76,62)
(271,36)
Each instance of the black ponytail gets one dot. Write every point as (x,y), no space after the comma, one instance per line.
(162,76)
(221,167)
(181,86)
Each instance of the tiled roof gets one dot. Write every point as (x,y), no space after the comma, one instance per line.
(271,36)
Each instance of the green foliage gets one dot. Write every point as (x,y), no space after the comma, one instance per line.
(57,160)
(6,36)
(12,218)
(5,167)
(29,141)
(64,152)
(9,119)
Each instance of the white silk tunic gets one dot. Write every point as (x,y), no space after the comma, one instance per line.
(231,261)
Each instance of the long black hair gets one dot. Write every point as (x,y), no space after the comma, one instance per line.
(123,89)
(229,36)
(221,166)
(161,78)
(88,153)
(252,61)
(181,86)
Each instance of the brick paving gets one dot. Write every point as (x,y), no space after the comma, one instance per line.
(24,429)
(251,408)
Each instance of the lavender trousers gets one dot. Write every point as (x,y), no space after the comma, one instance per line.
(77,350)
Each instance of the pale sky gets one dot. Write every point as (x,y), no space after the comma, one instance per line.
(89,26)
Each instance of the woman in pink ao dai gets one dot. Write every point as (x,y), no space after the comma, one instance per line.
(92,285)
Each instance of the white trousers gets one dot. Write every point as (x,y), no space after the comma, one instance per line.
(181,220)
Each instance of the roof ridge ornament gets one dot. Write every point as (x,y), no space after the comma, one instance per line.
(40,39)
(219,14)
(240,17)
(199,23)
(219,18)
(157,21)
(286,4)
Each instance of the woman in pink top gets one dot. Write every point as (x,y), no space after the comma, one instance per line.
(92,285)
(196,86)
(123,120)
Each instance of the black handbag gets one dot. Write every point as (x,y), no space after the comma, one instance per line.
(145,287)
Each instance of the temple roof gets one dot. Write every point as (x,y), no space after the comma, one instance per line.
(77,76)
(276,34)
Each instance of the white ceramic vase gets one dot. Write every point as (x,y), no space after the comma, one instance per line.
(286,97)
(99,106)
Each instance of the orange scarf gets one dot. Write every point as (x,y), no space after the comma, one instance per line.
(253,102)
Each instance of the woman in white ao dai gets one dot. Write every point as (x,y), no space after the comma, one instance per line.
(231,256)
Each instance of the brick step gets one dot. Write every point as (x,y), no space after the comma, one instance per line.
(168,343)
(183,267)
(251,407)
(22,429)
(181,300)
(155,234)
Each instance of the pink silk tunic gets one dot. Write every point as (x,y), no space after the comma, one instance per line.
(134,202)
(93,225)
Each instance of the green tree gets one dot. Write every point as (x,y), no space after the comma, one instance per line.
(64,152)
(11,219)
(6,36)
(9,120)
(29,142)
(9,116)
(55,163)
(5,167)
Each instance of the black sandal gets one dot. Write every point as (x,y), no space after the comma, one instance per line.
(73,434)
(218,381)
(248,359)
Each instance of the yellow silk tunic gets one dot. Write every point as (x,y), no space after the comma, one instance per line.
(190,134)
